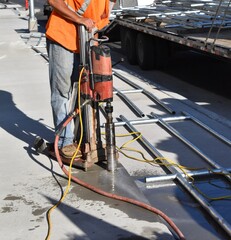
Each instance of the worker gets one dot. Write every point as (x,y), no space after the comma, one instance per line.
(63,51)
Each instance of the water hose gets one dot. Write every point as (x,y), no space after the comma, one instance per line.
(107,194)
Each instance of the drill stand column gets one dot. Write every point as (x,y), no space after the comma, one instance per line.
(96,86)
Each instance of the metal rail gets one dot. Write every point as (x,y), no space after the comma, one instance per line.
(172,177)
(38,36)
(44,55)
(128,91)
(217,135)
(36,46)
(194,148)
(145,92)
(151,120)
(204,203)
(130,103)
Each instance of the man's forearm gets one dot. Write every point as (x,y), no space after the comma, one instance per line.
(61,8)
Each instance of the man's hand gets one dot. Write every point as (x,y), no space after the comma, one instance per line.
(88,23)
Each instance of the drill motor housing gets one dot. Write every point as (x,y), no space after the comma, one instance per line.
(102,73)
(100,85)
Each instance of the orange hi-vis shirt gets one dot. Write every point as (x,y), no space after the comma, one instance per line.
(65,32)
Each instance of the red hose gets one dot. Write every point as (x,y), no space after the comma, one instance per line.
(110,195)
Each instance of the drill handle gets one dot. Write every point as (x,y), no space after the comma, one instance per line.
(100,40)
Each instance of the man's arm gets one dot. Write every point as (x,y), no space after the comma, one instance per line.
(61,8)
